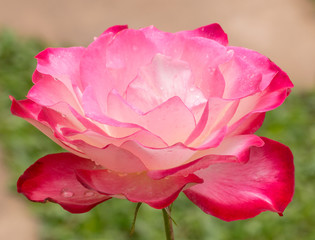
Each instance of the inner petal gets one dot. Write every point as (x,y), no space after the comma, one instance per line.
(161,80)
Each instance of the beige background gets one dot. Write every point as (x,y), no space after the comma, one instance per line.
(284,30)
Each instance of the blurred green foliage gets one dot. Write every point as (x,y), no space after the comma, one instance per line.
(292,124)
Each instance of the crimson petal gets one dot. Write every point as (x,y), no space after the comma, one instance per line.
(52,178)
(234,191)
(137,187)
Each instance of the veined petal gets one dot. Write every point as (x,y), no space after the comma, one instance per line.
(53,178)
(233,191)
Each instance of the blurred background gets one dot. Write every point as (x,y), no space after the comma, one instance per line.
(283,30)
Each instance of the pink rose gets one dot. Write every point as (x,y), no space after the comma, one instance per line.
(148,114)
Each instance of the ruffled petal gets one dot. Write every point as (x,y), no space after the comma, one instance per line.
(137,187)
(161,80)
(172,121)
(233,191)
(211,127)
(52,178)
(30,111)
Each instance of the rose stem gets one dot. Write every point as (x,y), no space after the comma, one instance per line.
(168,223)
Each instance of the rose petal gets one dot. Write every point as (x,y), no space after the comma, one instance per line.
(53,178)
(30,111)
(137,187)
(171,121)
(168,44)
(248,125)
(113,158)
(212,31)
(95,139)
(115,29)
(63,64)
(191,167)
(238,146)
(49,91)
(160,158)
(126,55)
(272,97)
(234,191)
(161,80)
(212,125)
(204,64)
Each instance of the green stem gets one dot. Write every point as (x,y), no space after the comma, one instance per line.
(168,223)
(133,226)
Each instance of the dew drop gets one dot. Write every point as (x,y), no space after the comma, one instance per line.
(89,194)
(191,89)
(67,194)
(134,48)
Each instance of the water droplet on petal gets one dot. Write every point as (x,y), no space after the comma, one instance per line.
(89,194)
(67,194)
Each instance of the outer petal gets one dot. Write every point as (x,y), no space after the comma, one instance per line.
(233,191)
(53,178)
(30,111)
(48,91)
(272,97)
(212,31)
(61,63)
(115,29)
(137,187)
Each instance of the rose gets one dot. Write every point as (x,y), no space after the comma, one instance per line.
(148,114)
